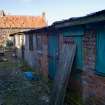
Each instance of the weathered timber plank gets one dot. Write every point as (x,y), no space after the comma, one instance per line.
(62,75)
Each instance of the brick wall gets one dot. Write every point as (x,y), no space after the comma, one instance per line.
(89,85)
(92,85)
(5,32)
(66,40)
(89,44)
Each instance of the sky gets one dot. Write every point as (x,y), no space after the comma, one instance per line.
(55,10)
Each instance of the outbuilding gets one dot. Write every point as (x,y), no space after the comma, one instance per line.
(43,47)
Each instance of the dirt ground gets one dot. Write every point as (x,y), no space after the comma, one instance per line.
(15,89)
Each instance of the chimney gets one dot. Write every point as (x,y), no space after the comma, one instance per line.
(44,14)
(2,13)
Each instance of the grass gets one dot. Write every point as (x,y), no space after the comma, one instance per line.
(73,94)
(46,82)
(73,98)
(25,67)
(33,90)
(8,65)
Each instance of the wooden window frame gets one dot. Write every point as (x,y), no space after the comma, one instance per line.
(39,42)
(31,47)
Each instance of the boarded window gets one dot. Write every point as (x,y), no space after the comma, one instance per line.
(30,42)
(39,42)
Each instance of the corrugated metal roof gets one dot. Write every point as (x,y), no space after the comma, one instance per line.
(93,17)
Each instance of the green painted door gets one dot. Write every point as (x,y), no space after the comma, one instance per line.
(79,52)
(79,49)
(100,53)
(53,55)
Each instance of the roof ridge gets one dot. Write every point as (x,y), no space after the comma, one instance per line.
(21,16)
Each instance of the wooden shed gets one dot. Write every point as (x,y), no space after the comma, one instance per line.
(43,47)
(86,32)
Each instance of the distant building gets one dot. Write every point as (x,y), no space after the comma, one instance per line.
(11,24)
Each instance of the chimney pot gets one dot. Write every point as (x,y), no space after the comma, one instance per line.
(43,14)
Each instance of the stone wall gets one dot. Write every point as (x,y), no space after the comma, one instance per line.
(5,32)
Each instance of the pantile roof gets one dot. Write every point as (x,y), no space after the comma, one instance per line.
(22,21)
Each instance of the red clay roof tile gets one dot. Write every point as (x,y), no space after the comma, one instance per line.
(22,22)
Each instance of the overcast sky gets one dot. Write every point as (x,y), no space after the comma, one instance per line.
(55,9)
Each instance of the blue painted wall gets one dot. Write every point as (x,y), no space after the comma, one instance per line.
(74,31)
(53,55)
